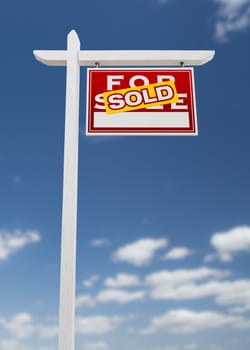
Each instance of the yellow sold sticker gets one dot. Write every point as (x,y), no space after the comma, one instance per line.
(138,97)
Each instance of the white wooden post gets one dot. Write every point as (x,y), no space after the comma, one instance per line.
(69,210)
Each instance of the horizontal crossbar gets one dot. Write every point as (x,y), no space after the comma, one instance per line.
(127,58)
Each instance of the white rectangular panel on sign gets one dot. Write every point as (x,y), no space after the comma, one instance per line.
(155,101)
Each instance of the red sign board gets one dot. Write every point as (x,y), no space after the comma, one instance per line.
(137,102)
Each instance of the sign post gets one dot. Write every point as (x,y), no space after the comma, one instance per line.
(69,209)
(73,58)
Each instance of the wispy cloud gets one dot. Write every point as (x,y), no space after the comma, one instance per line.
(232,16)
(22,326)
(122,280)
(95,346)
(188,321)
(176,277)
(119,296)
(91,281)
(140,252)
(227,293)
(209,258)
(98,324)
(47,331)
(194,284)
(11,243)
(10,344)
(178,253)
(100,242)
(19,326)
(84,300)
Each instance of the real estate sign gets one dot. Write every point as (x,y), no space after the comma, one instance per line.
(154,101)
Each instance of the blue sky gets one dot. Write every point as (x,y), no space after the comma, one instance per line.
(163,222)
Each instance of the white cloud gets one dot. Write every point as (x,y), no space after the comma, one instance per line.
(200,283)
(91,281)
(209,258)
(119,296)
(186,285)
(22,326)
(231,242)
(186,291)
(177,253)
(177,277)
(122,280)
(113,292)
(226,293)
(85,300)
(98,324)
(109,296)
(239,309)
(10,243)
(187,321)
(100,242)
(19,326)
(140,252)
(235,293)
(47,332)
(232,16)
(10,344)
(95,346)
(182,284)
